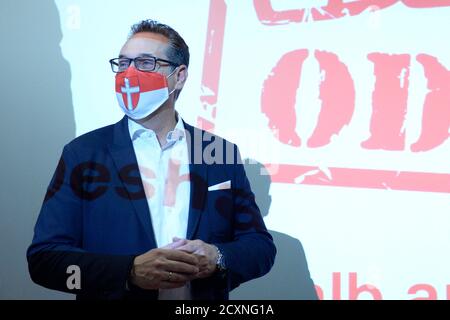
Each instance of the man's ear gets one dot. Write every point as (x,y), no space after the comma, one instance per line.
(181,77)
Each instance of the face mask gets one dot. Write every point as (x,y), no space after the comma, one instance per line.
(141,93)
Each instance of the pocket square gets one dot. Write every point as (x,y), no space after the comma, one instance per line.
(220,186)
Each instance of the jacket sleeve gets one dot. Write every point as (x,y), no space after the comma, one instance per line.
(252,252)
(56,248)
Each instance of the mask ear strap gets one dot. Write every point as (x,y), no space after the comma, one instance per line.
(172,73)
(170,76)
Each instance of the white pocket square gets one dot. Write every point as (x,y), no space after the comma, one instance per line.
(220,186)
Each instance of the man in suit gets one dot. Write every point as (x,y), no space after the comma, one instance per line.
(150,207)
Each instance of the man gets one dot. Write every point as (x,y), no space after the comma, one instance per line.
(150,207)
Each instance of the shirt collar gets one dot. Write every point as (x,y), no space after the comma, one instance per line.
(178,133)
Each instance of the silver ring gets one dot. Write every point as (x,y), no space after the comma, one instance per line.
(170,276)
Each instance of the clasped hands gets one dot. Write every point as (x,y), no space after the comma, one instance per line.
(174,265)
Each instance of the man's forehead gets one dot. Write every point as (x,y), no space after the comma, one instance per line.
(151,35)
(146,42)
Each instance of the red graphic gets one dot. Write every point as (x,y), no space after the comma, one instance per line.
(279,93)
(362,178)
(212,64)
(422,291)
(432,294)
(334,9)
(337,94)
(389,100)
(354,291)
(436,111)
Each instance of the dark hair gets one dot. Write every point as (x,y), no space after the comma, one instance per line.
(178,51)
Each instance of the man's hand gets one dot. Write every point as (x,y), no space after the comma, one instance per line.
(206,253)
(165,268)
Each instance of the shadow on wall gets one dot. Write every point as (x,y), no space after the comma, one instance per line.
(289,278)
(37,120)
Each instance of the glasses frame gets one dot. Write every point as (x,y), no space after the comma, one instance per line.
(115,62)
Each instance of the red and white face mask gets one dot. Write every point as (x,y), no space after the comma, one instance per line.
(141,93)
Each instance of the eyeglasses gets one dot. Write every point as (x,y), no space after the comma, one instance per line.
(141,63)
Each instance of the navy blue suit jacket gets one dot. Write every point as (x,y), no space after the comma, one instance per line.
(95,215)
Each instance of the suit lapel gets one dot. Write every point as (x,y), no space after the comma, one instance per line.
(122,153)
(198,178)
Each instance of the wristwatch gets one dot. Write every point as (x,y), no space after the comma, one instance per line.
(220,262)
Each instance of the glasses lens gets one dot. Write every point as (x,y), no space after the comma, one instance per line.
(145,64)
(122,64)
(114,65)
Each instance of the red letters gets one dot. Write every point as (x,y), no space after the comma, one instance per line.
(334,9)
(279,96)
(432,294)
(389,101)
(355,291)
(436,111)
(337,93)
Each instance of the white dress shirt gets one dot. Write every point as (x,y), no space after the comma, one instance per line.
(165,175)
